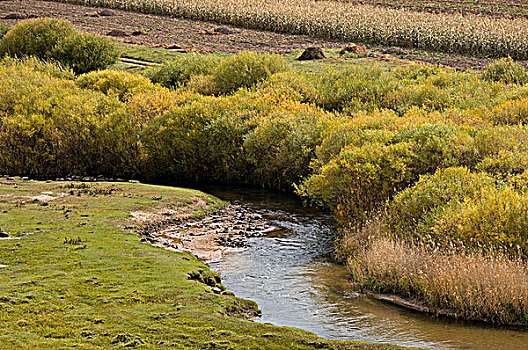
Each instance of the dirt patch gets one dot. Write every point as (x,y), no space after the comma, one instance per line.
(224,230)
(312,53)
(189,35)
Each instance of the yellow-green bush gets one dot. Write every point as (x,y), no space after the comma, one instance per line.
(54,39)
(374,163)
(413,213)
(507,71)
(35,37)
(3,30)
(455,208)
(50,127)
(360,179)
(34,64)
(180,70)
(291,86)
(246,69)
(505,163)
(280,148)
(496,220)
(114,83)
(511,112)
(85,52)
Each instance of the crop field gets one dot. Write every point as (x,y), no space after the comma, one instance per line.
(465,34)
(494,8)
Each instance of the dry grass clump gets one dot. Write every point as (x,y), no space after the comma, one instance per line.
(468,34)
(491,288)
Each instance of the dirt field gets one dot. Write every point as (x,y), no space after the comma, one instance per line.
(154,30)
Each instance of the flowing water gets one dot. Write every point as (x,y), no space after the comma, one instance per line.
(291,275)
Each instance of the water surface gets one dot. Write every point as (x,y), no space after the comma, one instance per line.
(292,277)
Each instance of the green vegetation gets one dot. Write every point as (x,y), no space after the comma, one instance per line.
(78,276)
(210,75)
(52,39)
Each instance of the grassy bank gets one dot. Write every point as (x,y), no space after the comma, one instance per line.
(77,275)
(465,34)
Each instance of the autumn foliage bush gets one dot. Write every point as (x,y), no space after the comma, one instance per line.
(57,40)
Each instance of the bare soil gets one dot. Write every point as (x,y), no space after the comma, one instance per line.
(189,35)
(157,30)
(209,238)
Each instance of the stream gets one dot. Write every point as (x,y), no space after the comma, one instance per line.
(291,275)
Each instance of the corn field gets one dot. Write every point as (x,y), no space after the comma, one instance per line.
(456,33)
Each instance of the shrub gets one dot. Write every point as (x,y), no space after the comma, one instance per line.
(511,112)
(354,88)
(505,163)
(34,64)
(245,69)
(53,39)
(507,71)
(413,212)
(176,141)
(290,86)
(3,30)
(114,82)
(85,52)
(203,84)
(437,146)
(492,140)
(35,37)
(496,220)
(360,179)
(50,127)
(279,150)
(180,70)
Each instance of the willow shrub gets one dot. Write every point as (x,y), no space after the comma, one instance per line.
(458,208)
(373,88)
(242,138)
(178,71)
(114,83)
(35,37)
(57,40)
(507,71)
(359,179)
(85,52)
(374,165)
(3,30)
(50,127)
(511,112)
(217,75)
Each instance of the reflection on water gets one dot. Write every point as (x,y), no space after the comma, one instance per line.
(292,278)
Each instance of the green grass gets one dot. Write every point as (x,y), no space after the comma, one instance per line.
(160,55)
(108,290)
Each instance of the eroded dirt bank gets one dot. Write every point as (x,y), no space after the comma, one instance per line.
(208,238)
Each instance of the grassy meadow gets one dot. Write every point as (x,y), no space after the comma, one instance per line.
(76,275)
